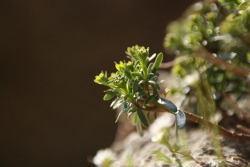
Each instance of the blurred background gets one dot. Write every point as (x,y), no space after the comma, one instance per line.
(52,113)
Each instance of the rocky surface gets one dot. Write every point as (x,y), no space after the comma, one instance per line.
(199,147)
(202,149)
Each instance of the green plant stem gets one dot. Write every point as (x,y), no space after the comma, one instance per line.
(172,150)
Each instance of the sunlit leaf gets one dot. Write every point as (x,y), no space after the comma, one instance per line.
(150,68)
(159,153)
(101,79)
(134,120)
(118,117)
(158,61)
(152,57)
(170,106)
(109,95)
(165,159)
(117,104)
(243,6)
(154,84)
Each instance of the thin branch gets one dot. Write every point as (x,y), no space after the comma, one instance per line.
(243,128)
(240,71)
(236,107)
(200,120)
(173,63)
(196,119)
(223,132)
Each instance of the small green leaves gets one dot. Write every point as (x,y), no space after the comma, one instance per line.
(102,79)
(142,117)
(134,120)
(135,86)
(119,66)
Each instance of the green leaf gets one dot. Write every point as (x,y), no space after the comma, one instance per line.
(166,160)
(102,79)
(117,66)
(120,66)
(141,82)
(150,98)
(152,57)
(127,106)
(162,157)
(168,105)
(148,116)
(114,101)
(248,57)
(150,67)
(127,74)
(130,112)
(180,119)
(154,84)
(139,127)
(135,87)
(137,74)
(141,94)
(245,17)
(142,117)
(134,120)
(159,153)
(123,90)
(243,6)
(118,117)
(109,96)
(155,115)
(115,104)
(158,62)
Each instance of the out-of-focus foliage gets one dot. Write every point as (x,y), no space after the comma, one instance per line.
(220,30)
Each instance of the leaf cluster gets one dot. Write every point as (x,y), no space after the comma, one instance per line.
(134,85)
